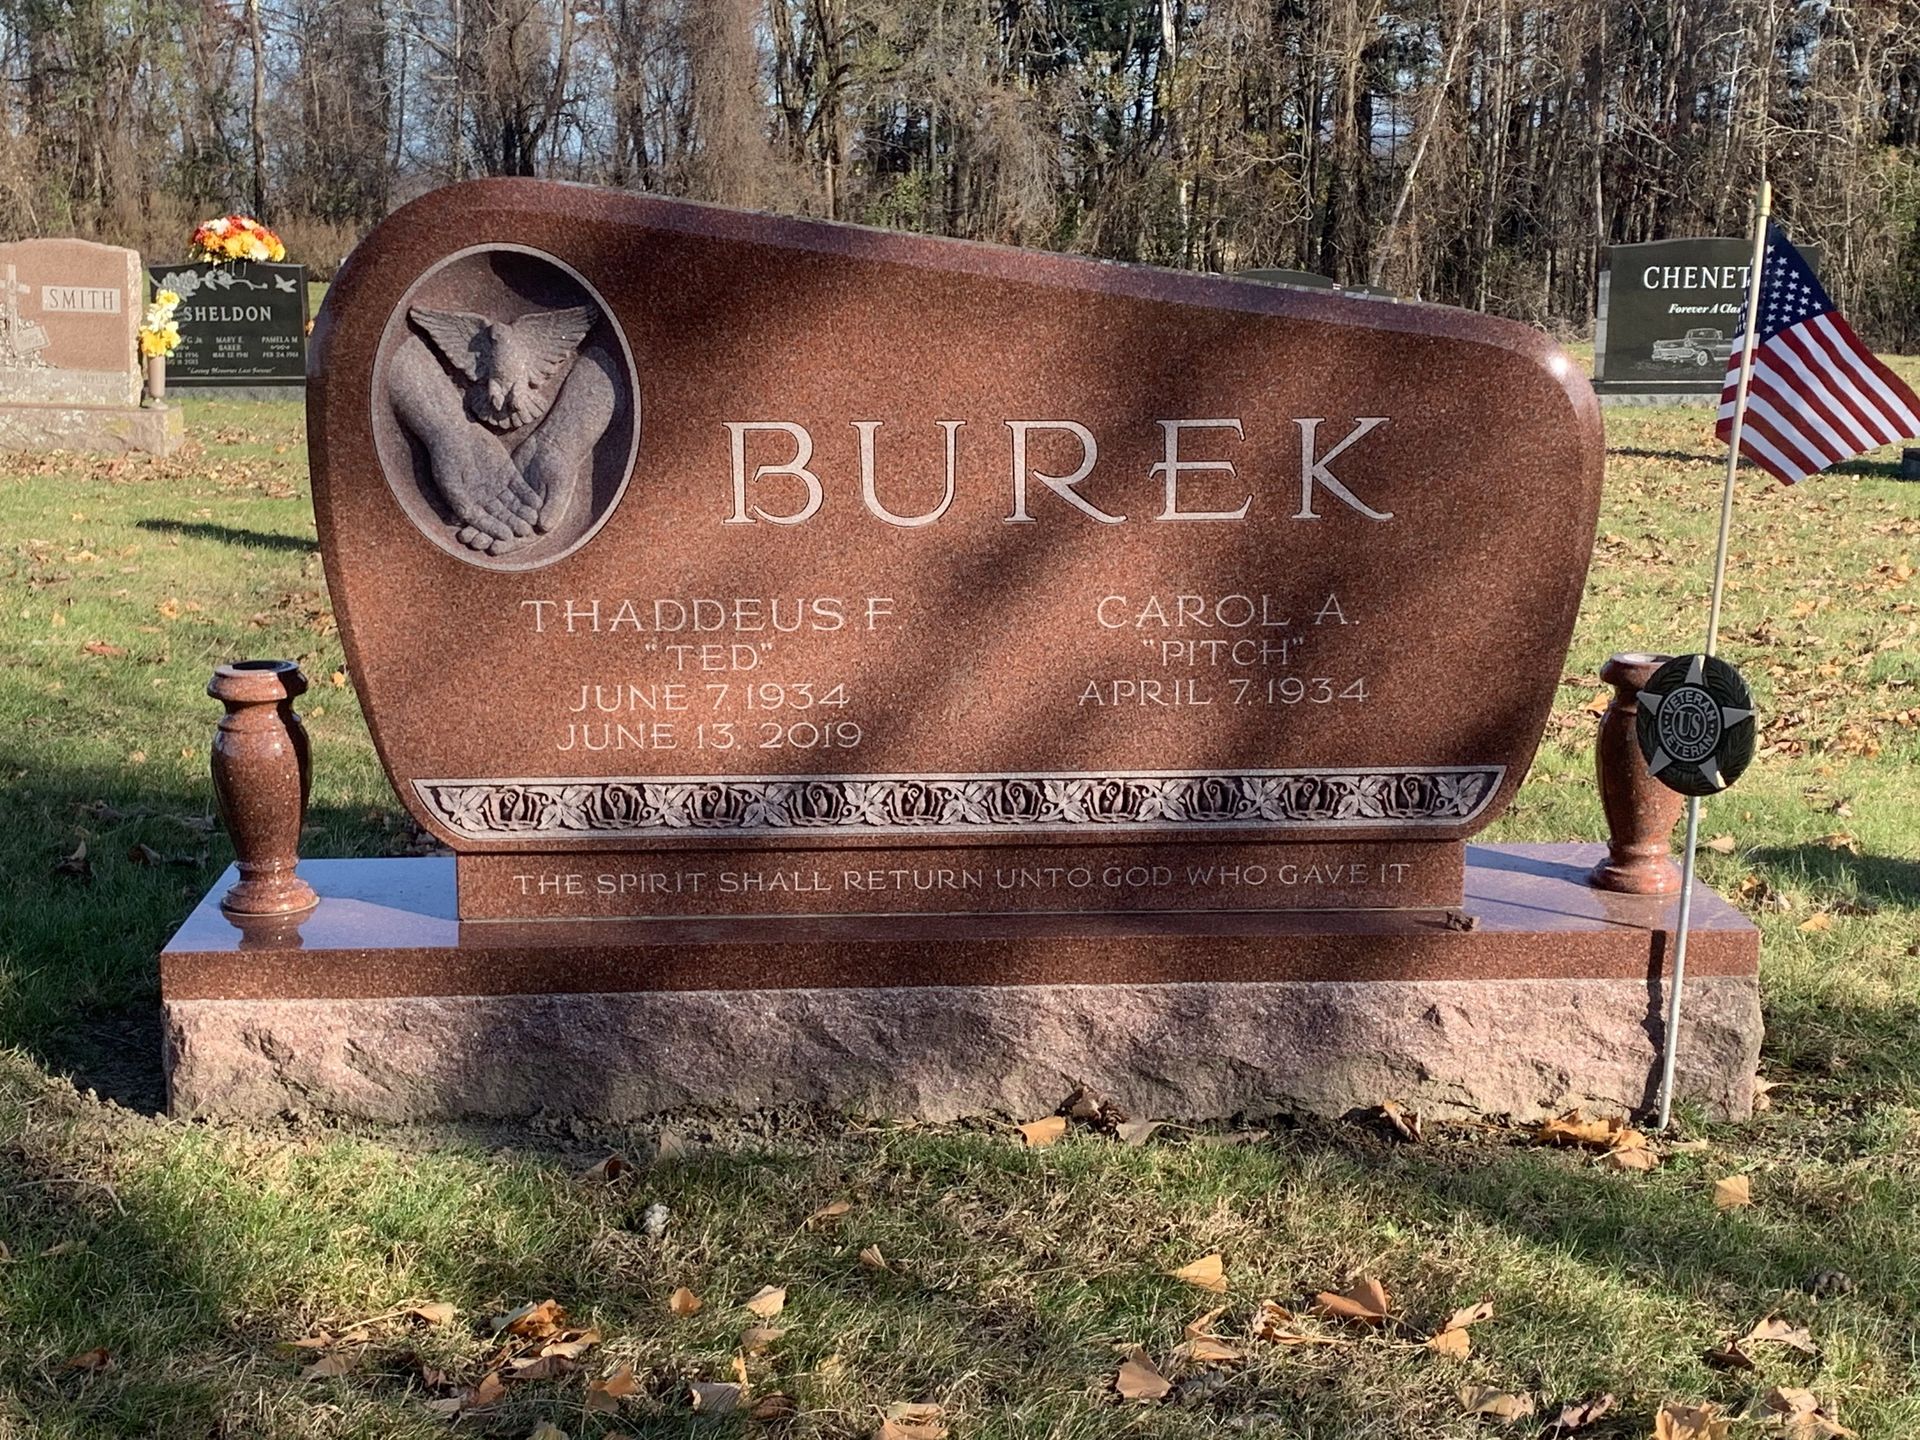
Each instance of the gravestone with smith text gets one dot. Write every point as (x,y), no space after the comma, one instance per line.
(897,673)
(242,325)
(69,368)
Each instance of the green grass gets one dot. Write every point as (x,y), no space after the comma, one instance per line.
(191,1253)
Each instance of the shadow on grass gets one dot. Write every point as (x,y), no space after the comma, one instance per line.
(1639,452)
(230,535)
(1883,878)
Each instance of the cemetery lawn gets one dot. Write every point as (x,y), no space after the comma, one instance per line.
(152,1271)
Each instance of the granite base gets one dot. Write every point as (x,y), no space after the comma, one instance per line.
(100,429)
(1538,994)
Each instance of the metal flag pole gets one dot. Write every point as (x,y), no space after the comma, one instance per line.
(1670,1041)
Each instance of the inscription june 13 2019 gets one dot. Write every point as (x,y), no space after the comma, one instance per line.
(652,525)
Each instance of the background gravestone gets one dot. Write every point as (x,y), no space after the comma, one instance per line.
(69,356)
(1668,313)
(241,324)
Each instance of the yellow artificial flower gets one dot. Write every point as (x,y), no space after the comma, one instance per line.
(167,298)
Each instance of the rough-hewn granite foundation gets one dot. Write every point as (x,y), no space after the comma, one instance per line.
(1511,1047)
(98,429)
(1538,994)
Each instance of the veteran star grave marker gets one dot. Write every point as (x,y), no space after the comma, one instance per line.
(796,631)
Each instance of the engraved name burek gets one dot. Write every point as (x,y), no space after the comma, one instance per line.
(789,490)
(922,804)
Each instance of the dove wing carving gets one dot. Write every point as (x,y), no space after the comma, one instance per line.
(457,335)
(549,339)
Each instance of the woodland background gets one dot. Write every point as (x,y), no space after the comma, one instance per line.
(1475,152)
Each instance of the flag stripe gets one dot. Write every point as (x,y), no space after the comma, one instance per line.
(1758,450)
(1800,353)
(1840,368)
(1762,421)
(1807,415)
(1787,371)
(1867,368)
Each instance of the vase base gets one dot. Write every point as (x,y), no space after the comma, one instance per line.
(280,895)
(1654,876)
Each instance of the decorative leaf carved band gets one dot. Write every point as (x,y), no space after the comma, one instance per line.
(1369,798)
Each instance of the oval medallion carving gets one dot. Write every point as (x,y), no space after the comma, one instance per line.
(505,407)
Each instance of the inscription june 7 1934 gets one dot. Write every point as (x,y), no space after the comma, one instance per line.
(714,564)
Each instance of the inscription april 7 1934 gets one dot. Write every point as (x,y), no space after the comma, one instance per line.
(693,562)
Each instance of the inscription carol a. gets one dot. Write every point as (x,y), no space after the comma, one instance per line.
(505,407)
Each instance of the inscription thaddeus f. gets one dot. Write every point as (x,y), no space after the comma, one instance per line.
(878,537)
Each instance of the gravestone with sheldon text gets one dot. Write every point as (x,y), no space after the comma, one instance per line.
(242,325)
(880,671)
(69,367)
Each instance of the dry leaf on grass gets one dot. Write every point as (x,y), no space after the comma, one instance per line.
(572,1344)
(1469,1315)
(774,1408)
(1139,1380)
(1364,1302)
(1729,1357)
(1040,1133)
(1780,1332)
(1405,1124)
(488,1392)
(91,1361)
(1804,1416)
(768,1301)
(873,1259)
(1732,1192)
(683,1302)
(1637,1159)
(330,1366)
(438,1313)
(1582,1413)
(1500,1405)
(1206,1350)
(539,1367)
(546,1430)
(1816,923)
(1277,1325)
(1136,1132)
(611,1168)
(1203,1325)
(1722,845)
(1574,1128)
(604,1393)
(1453,1343)
(1209,1272)
(1690,1422)
(758,1339)
(535,1321)
(832,1211)
(713,1397)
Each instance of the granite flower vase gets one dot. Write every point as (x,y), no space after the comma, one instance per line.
(262,773)
(157,382)
(1640,811)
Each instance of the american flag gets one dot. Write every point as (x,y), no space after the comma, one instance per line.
(1818,395)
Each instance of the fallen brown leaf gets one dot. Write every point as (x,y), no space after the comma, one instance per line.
(1690,1422)
(1139,1380)
(1780,1332)
(1136,1132)
(758,1339)
(713,1397)
(1636,1159)
(1277,1325)
(768,1301)
(1732,1192)
(604,1393)
(1722,845)
(487,1393)
(1495,1404)
(1729,1357)
(1583,1413)
(539,1367)
(1469,1315)
(547,1430)
(1203,1325)
(438,1313)
(1365,1302)
(535,1321)
(1041,1133)
(1405,1124)
(774,1408)
(330,1366)
(831,1211)
(1816,923)
(683,1302)
(1209,1272)
(609,1169)
(573,1345)
(1452,1343)
(873,1259)
(91,1361)
(1206,1350)
(1804,1416)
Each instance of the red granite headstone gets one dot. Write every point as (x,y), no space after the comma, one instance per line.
(695,563)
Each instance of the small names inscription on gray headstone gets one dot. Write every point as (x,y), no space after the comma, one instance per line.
(241,323)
